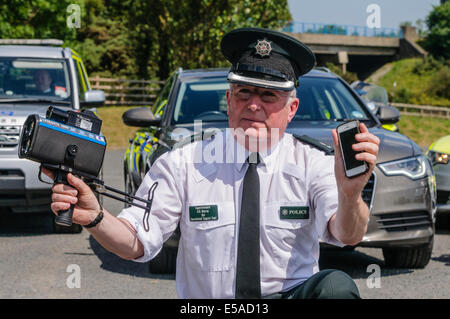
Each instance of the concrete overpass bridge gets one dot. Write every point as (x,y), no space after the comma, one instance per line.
(365,49)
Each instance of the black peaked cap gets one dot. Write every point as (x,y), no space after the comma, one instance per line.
(286,59)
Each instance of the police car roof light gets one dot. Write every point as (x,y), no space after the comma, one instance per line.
(49,42)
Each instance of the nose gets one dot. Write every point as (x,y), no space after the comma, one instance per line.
(254,103)
(253,107)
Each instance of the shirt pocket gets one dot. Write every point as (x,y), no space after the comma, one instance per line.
(208,244)
(286,237)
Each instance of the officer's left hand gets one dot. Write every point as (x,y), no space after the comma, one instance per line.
(368,146)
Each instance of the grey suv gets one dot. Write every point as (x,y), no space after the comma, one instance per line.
(35,74)
(400,193)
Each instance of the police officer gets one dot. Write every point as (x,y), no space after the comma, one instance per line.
(251,219)
(43,82)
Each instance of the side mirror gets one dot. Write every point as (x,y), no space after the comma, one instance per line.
(388,114)
(141,117)
(93,98)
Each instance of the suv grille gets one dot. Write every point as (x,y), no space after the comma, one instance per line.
(368,191)
(404,221)
(9,136)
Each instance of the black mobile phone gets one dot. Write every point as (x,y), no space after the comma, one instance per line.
(346,133)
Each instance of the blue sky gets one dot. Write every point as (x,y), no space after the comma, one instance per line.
(353,12)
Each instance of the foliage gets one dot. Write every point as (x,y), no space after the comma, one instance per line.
(103,39)
(406,24)
(329,29)
(440,83)
(141,38)
(36,19)
(418,81)
(437,41)
(187,33)
(420,27)
(349,77)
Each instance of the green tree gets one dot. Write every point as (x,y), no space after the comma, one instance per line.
(141,38)
(406,24)
(349,77)
(171,33)
(104,39)
(36,19)
(437,41)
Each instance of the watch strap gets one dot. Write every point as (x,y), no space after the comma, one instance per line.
(97,219)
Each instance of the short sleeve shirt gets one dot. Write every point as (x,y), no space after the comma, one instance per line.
(200,188)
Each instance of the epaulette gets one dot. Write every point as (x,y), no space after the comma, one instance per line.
(203,136)
(327,149)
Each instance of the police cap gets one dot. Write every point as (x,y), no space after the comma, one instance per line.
(266,58)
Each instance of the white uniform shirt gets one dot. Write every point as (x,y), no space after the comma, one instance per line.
(292,176)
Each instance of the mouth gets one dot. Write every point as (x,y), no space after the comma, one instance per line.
(252,120)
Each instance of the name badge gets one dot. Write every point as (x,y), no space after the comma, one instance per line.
(294,212)
(203,213)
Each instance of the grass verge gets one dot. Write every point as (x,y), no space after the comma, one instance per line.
(424,130)
(417,81)
(116,132)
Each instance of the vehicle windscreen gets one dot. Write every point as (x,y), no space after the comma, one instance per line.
(321,99)
(201,99)
(325,99)
(34,79)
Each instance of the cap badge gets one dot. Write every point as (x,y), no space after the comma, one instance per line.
(263,48)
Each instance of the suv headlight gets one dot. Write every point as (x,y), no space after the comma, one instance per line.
(438,158)
(412,167)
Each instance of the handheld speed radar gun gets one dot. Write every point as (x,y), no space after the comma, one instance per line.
(68,142)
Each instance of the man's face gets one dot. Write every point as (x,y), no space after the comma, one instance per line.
(42,80)
(260,112)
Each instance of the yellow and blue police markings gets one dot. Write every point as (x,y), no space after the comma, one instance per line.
(390,127)
(81,71)
(145,148)
(131,152)
(160,108)
(442,145)
(142,145)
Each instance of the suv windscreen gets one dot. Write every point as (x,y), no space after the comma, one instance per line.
(325,99)
(25,78)
(321,99)
(201,99)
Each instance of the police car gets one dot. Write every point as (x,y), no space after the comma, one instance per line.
(439,155)
(400,193)
(35,74)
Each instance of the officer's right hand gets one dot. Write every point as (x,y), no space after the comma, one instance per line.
(79,193)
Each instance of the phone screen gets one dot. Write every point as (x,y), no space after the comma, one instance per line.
(347,140)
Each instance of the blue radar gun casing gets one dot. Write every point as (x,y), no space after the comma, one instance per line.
(64,142)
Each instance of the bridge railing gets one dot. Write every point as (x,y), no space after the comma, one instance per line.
(322,28)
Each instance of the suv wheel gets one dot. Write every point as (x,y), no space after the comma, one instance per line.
(415,257)
(165,262)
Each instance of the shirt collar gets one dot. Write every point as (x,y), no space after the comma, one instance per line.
(268,157)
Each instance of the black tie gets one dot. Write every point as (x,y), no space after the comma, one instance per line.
(248,279)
